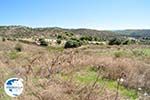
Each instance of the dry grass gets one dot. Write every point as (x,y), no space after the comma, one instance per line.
(40,67)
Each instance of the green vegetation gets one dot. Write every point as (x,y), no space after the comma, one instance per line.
(65,36)
(90,76)
(5,96)
(13,54)
(73,43)
(91,38)
(87,38)
(141,52)
(69,34)
(3,39)
(58,41)
(52,48)
(60,37)
(135,33)
(53,70)
(118,54)
(115,41)
(122,41)
(43,42)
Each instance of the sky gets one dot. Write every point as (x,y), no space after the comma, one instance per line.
(93,14)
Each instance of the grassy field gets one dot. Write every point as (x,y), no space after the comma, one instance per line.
(90,72)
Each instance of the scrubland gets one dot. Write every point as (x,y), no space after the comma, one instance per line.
(89,72)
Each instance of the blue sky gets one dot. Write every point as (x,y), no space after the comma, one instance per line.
(94,14)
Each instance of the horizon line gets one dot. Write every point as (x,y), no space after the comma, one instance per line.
(104,29)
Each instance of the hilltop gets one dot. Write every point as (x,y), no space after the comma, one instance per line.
(23,31)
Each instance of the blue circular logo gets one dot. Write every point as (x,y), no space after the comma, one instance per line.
(13,87)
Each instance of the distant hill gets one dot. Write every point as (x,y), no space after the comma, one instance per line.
(135,33)
(22,31)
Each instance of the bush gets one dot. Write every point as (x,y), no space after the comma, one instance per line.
(123,41)
(72,44)
(96,39)
(58,41)
(43,42)
(118,54)
(3,39)
(59,37)
(10,39)
(18,47)
(69,34)
(126,42)
(13,55)
(115,41)
(87,38)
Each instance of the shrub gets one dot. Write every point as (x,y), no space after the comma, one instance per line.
(71,34)
(10,38)
(115,41)
(59,37)
(72,44)
(132,42)
(18,47)
(3,39)
(96,39)
(87,38)
(138,53)
(43,42)
(13,55)
(58,41)
(118,54)
(126,42)
(123,41)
